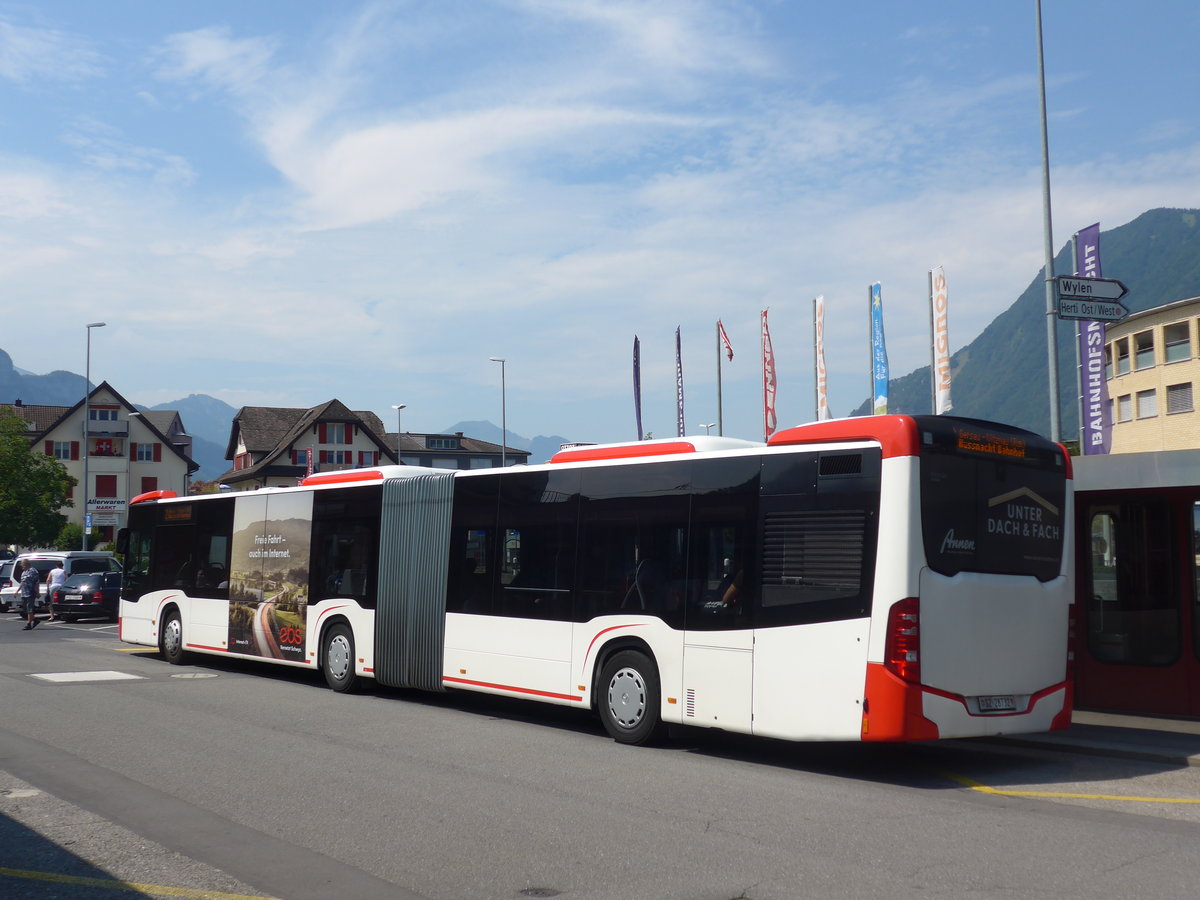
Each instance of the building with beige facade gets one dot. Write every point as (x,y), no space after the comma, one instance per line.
(1152,369)
(121,453)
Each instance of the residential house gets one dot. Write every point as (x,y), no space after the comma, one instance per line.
(125,451)
(454,451)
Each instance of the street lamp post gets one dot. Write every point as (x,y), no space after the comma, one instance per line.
(397,407)
(503,413)
(708,428)
(87,414)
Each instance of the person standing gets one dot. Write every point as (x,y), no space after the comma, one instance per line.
(55,579)
(31,580)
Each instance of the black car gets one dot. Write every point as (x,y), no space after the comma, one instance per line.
(88,594)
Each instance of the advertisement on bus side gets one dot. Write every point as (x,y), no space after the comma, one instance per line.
(268,586)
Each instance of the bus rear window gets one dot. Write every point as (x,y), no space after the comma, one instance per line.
(992,502)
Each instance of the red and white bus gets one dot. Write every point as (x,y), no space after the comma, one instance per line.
(885,578)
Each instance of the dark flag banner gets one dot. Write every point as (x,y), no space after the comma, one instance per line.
(1096,430)
(637,384)
(678,385)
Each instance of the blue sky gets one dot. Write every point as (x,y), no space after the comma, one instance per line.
(281,203)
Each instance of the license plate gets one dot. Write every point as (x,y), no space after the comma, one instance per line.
(72,596)
(997,703)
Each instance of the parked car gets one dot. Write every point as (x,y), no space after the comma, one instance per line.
(6,568)
(89,594)
(74,562)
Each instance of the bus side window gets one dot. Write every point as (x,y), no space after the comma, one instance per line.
(470,575)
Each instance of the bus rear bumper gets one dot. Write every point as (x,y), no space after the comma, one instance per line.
(896,710)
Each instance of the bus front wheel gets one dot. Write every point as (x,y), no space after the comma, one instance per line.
(629,698)
(337,659)
(170,641)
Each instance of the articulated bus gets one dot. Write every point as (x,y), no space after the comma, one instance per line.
(886,578)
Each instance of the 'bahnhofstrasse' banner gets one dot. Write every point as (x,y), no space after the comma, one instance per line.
(879,361)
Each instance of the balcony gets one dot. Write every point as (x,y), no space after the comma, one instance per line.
(101,428)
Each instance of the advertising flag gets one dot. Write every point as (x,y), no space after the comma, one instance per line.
(1095,430)
(879,361)
(819,355)
(939,321)
(725,340)
(678,385)
(768,354)
(637,384)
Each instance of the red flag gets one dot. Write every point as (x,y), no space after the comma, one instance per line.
(769,420)
(725,340)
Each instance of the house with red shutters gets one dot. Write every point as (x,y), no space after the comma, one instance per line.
(272,446)
(114,452)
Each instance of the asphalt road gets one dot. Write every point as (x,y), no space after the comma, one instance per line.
(225,779)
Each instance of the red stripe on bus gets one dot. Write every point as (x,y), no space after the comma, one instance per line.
(583,668)
(623,451)
(345,477)
(897,435)
(203,647)
(515,690)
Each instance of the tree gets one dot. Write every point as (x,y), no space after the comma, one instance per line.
(33,488)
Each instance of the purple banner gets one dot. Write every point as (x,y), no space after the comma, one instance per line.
(637,384)
(1095,430)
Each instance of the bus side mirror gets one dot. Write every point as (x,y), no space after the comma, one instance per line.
(123,541)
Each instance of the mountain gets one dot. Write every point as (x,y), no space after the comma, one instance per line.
(58,388)
(1002,374)
(540,448)
(204,416)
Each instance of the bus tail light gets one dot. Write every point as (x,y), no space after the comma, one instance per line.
(902,648)
(98,597)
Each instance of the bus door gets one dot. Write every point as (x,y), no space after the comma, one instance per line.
(818,524)
(1138,651)
(722,588)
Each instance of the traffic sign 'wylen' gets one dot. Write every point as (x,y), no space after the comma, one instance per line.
(1090,298)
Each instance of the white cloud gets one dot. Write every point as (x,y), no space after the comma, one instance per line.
(31,54)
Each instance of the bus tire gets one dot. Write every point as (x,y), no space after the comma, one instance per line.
(170,639)
(337,658)
(629,698)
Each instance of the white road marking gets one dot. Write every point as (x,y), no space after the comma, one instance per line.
(68,677)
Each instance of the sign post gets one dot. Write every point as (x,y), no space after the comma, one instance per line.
(1094,299)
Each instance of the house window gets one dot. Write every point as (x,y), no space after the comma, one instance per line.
(335,433)
(149,483)
(1108,362)
(144,452)
(1122,355)
(1177,343)
(338,457)
(368,457)
(1143,345)
(1147,404)
(442,443)
(62,449)
(1179,398)
(241,461)
(106,485)
(1124,408)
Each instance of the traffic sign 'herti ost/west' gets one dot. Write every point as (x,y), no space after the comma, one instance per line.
(1090,298)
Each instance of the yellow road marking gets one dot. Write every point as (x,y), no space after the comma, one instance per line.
(132,887)
(134,650)
(1062,795)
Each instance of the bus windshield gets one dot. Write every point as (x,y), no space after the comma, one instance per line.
(992,499)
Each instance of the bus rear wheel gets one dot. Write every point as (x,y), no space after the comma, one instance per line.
(337,659)
(170,639)
(629,698)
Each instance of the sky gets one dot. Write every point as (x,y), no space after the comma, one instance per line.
(281,203)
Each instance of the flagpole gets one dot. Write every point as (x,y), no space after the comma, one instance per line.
(933,373)
(816,368)
(720,415)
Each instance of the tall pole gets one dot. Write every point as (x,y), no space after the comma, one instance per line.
(87,414)
(1051,336)
(397,407)
(503,413)
(720,414)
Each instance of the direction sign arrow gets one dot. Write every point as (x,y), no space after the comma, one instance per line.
(1091,310)
(1089,288)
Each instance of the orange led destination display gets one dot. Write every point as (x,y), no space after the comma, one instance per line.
(989,442)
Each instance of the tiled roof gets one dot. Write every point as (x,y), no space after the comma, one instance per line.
(42,417)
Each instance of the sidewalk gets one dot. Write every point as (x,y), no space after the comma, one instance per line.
(1170,741)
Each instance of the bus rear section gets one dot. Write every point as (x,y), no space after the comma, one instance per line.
(976,642)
